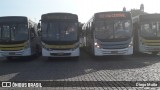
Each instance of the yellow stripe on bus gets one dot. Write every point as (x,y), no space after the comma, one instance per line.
(59,46)
(150,41)
(152,44)
(14,45)
(10,49)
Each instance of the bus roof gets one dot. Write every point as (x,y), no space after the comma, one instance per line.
(59,13)
(53,16)
(113,12)
(149,17)
(13,19)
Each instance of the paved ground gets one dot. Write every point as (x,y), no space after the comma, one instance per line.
(87,70)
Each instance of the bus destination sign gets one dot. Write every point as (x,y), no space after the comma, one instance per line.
(112,15)
(58,17)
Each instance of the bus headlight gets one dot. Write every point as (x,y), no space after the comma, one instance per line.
(131,44)
(96,45)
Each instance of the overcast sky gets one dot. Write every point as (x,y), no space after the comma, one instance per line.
(83,8)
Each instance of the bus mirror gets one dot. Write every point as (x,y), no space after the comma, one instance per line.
(32,35)
(39,26)
(39,33)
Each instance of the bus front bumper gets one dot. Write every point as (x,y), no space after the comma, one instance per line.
(149,49)
(102,52)
(61,53)
(25,52)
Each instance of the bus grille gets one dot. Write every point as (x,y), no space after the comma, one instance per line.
(60,54)
(150,42)
(14,47)
(114,46)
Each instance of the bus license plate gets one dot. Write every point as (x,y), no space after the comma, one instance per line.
(11,53)
(60,54)
(114,52)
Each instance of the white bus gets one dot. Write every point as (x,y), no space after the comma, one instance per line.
(147,34)
(60,35)
(18,37)
(109,33)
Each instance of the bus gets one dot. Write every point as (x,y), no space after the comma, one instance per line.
(60,35)
(109,33)
(18,37)
(147,34)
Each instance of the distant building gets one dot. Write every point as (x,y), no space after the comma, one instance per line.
(137,12)
(142,7)
(124,9)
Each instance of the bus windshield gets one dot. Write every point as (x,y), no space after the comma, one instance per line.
(150,30)
(109,30)
(59,31)
(13,32)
